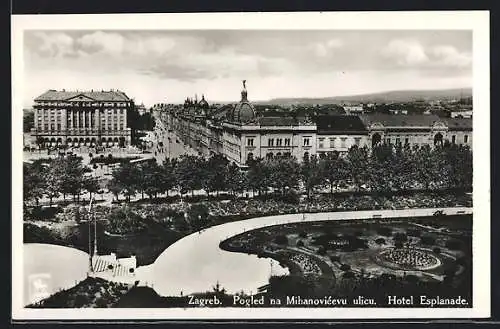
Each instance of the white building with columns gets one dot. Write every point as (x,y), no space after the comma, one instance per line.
(82,118)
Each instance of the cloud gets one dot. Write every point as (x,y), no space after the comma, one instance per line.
(323,49)
(111,43)
(55,44)
(411,53)
(405,52)
(450,56)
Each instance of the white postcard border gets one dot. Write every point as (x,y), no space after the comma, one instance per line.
(477,21)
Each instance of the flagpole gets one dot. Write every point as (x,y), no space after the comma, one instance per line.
(89,220)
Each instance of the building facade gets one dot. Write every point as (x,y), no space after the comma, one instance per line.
(237,132)
(89,118)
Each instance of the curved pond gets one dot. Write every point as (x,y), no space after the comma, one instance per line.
(49,268)
(196,263)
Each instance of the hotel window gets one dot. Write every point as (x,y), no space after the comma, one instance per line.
(249,141)
(306,141)
(58,126)
(270,142)
(279,142)
(321,140)
(115,111)
(466,139)
(332,142)
(342,142)
(453,139)
(287,141)
(357,141)
(407,141)
(46,126)
(116,126)
(398,141)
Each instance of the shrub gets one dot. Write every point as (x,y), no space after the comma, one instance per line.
(427,240)
(300,243)
(384,230)
(436,250)
(400,237)
(380,241)
(335,258)
(281,239)
(345,267)
(322,251)
(398,244)
(414,232)
(348,275)
(303,234)
(454,244)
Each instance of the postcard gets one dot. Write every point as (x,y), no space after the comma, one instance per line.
(251,166)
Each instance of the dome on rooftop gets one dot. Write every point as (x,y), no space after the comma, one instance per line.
(243,111)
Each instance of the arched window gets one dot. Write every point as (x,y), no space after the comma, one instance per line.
(376,139)
(438,139)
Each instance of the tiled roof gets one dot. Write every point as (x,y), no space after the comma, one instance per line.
(103,96)
(276,121)
(391,120)
(459,123)
(339,123)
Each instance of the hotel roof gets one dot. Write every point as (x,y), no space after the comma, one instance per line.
(102,96)
(391,120)
(459,123)
(346,124)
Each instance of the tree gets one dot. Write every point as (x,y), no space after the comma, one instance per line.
(168,179)
(236,180)
(311,174)
(188,174)
(258,176)
(284,173)
(215,174)
(91,185)
(150,179)
(356,166)
(28,121)
(333,169)
(72,173)
(125,179)
(34,182)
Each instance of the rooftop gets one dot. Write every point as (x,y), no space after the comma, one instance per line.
(339,123)
(391,120)
(103,96)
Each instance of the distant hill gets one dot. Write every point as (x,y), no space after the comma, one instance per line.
(382,97)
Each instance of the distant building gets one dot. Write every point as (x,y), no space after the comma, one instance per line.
(237,132)
(461,113)
(82,118)
(416,129)
(398,111)
(353,109)
(141,109)
(339,133)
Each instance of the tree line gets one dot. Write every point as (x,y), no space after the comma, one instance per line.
(383,169)
(65,176)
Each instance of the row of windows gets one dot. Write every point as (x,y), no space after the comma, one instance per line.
(279,141)
(52,126)
(45,112)
(332,140)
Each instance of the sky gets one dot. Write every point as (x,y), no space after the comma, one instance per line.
(168,66)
